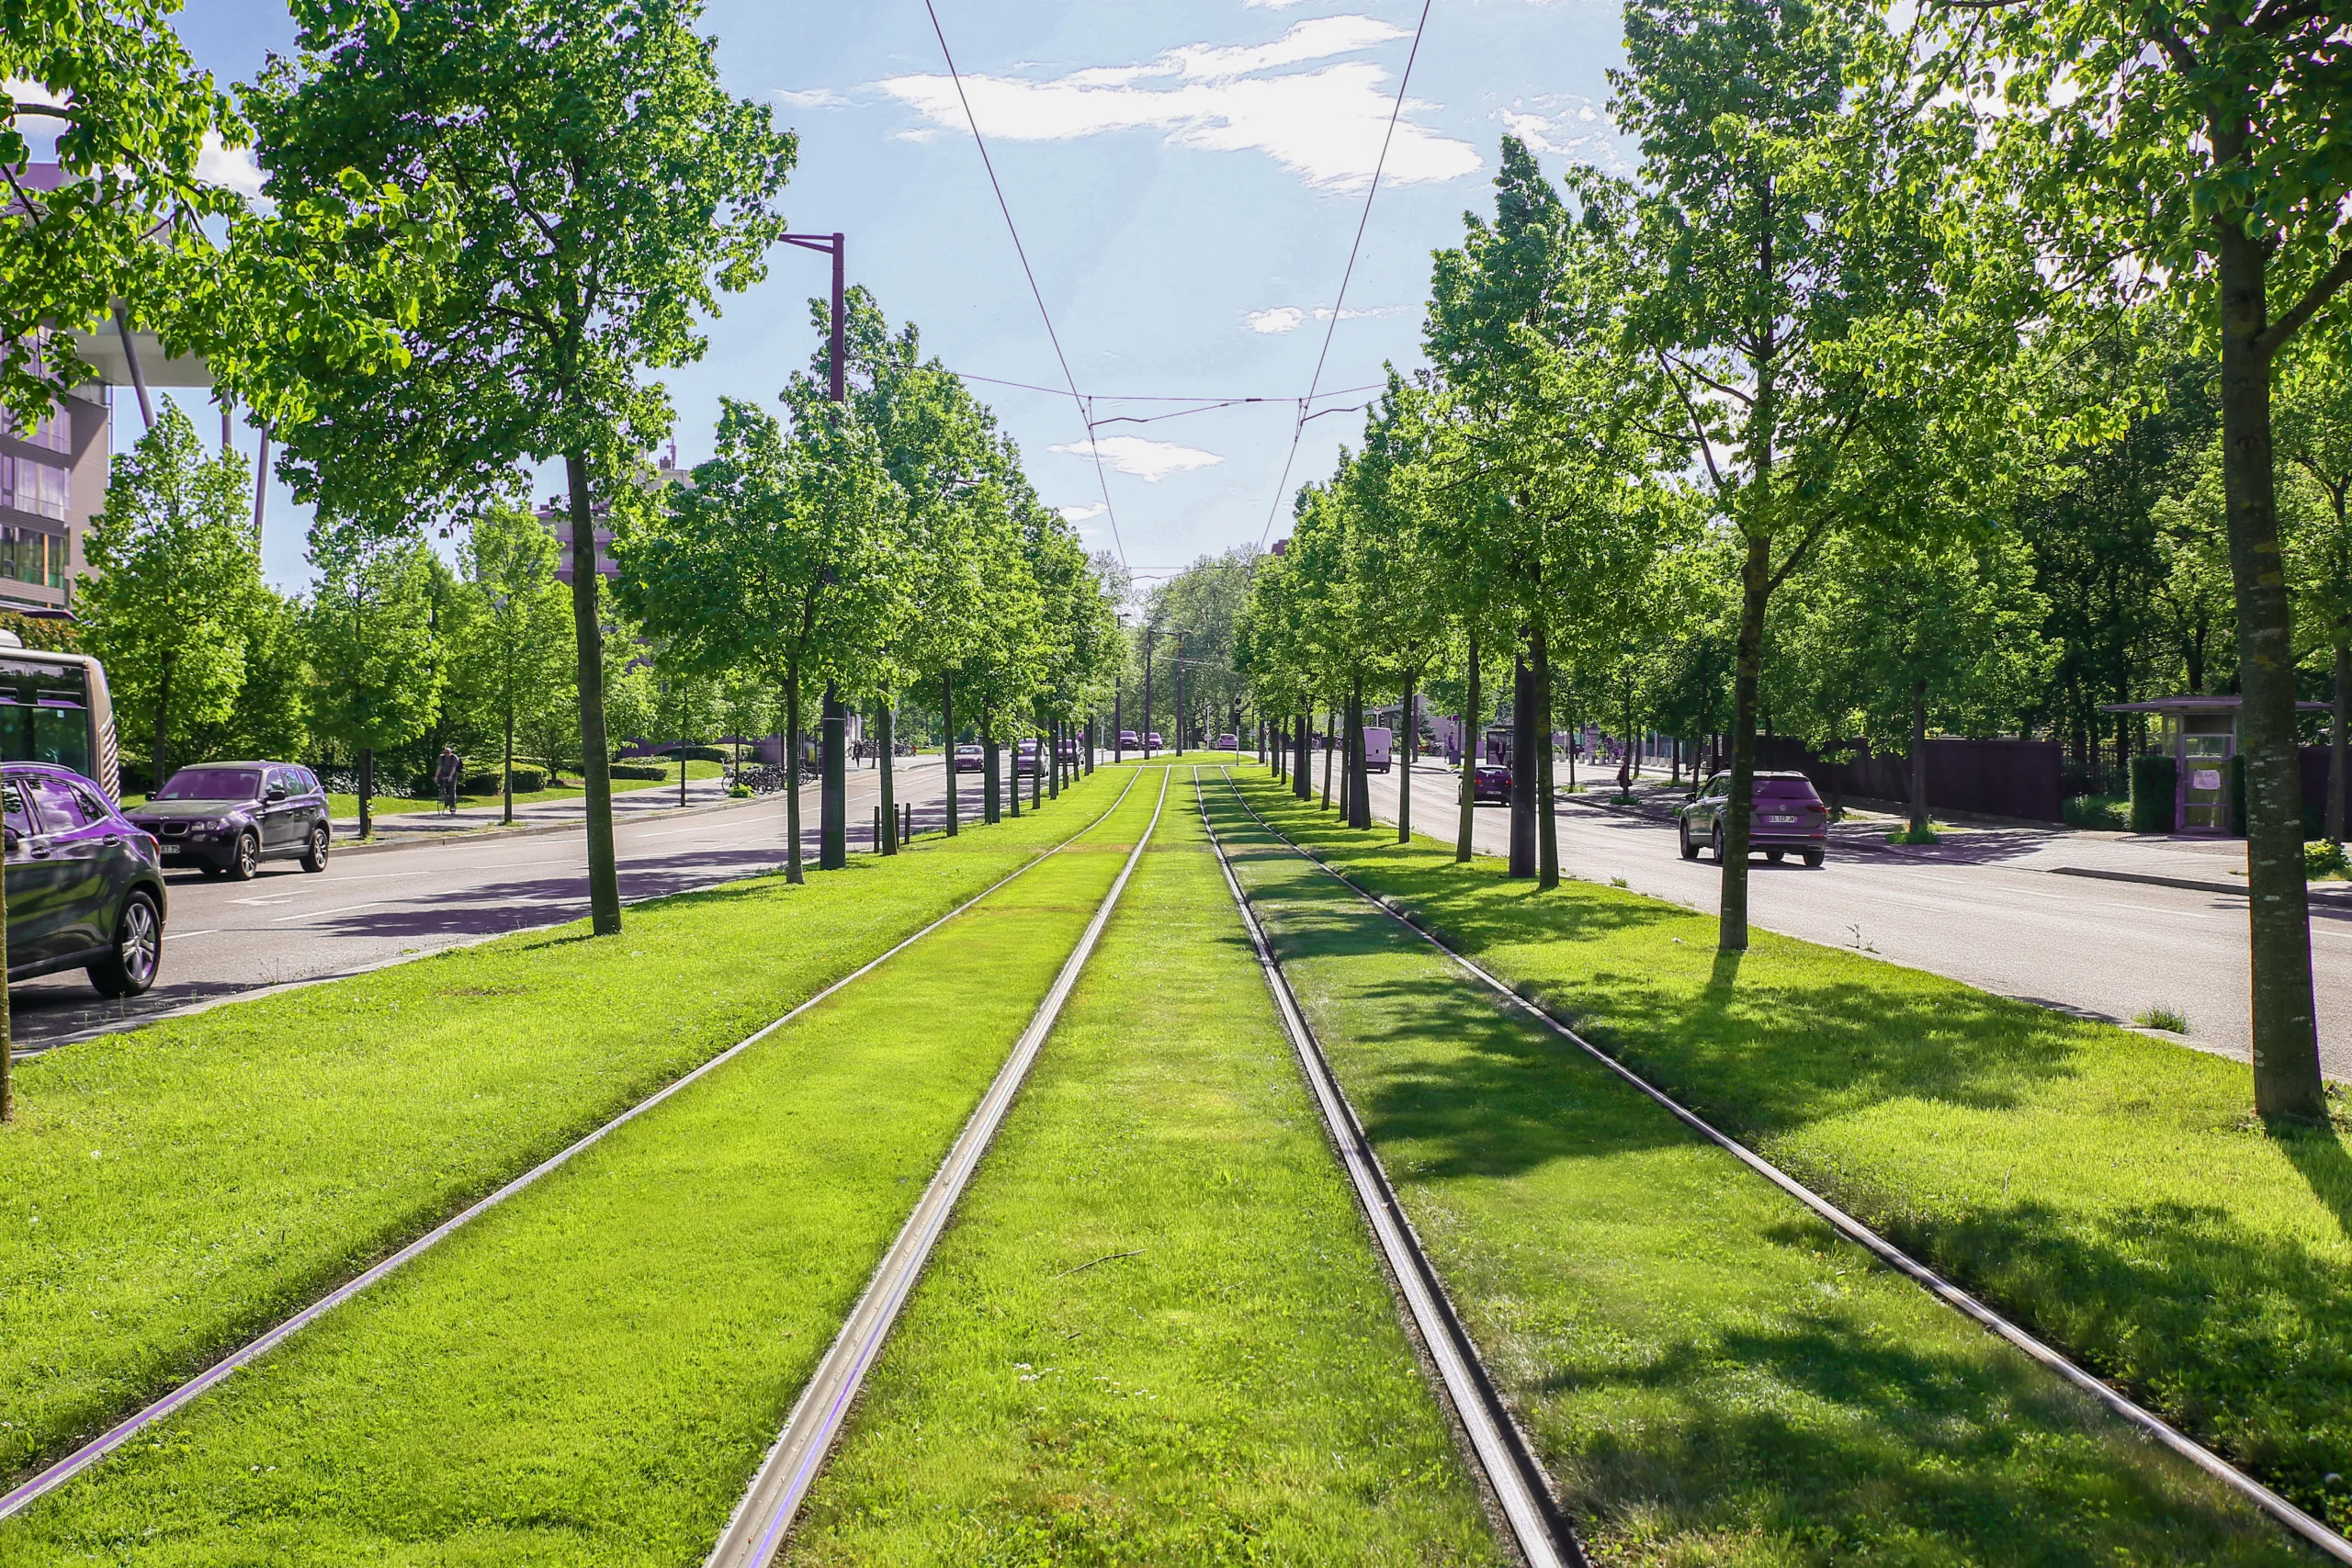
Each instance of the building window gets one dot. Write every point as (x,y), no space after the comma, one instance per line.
(26,554)
(37,488)
(54,433)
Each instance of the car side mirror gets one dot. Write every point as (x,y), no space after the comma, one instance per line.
(275,793)
(11,836)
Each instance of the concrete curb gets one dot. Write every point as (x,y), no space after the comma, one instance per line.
(2192,884)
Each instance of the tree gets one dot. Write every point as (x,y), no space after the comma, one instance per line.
(176,584)
(2199,148)
(1791,231)
(777,558)
(2315,436)
(607,189)
(375,677)
(511,655)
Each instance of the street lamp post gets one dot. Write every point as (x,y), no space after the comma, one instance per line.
(832,800)
(1150,633)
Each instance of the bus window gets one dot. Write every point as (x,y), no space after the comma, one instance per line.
(61,735)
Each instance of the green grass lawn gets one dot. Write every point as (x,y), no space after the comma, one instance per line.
(2108,1189)
(1711,1374)
(168,1194)
(591,1373)
(1156,1332)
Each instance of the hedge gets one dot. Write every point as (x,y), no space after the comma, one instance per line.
(527,779)
(639,771)
(2155,779)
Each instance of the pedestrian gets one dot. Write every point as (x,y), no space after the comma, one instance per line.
(1625,774)
(444,777)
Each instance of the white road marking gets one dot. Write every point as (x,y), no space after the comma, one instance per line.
(175,936)
(314,914)
(278,898)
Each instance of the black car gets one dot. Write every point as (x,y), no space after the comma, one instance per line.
(85,888)
(225,819)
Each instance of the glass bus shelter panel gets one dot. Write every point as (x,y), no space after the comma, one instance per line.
(2205,784)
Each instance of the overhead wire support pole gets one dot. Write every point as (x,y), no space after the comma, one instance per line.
(832,792)
(1085,412)
(1348,275)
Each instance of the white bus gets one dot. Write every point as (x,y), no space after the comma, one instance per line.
(54,708)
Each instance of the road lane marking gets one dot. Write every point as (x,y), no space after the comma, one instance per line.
(278,898)
(314,914)
(175,936)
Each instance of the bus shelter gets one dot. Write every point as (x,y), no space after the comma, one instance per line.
(2200,734)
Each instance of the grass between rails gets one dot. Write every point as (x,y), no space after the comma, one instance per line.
(1156,1332)
(1711,1375)
(590,1373)
(2107,1190)
(168,1194)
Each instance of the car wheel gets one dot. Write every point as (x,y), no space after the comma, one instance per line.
(315,857)
(245,859)
(1774,855)
(1813,859)
(1718,843)
(1689,849)
(128,967)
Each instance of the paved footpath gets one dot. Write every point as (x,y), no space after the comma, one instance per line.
(436,888)
(2002,909)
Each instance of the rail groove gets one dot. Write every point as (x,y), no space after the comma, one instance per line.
(56,1475)
(2311,1531)
(1500,1447)
(763,1517)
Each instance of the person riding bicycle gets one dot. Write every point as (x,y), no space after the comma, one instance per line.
(444,777)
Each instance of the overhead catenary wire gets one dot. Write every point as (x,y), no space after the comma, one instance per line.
(1338,305)
(1085,414)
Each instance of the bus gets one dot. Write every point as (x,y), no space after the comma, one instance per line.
(54,707)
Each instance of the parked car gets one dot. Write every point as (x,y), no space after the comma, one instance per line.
(1227,743)
(86,886)
(1024,758)
(1153,740)
(1785,814)
(970,759)
(1067,749)
(1378,741)
(225,819)
(1489,782)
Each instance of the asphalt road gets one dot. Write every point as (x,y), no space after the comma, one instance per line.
(1992,909)
(223,939)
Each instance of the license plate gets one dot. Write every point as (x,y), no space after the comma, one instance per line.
(1780,820)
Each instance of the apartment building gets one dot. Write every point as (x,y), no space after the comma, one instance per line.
(53,484)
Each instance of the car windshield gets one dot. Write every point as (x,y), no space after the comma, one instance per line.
(212,783)
(1784,789)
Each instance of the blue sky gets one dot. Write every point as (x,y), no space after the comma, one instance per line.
(1187,176)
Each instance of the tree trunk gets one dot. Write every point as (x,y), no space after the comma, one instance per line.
(886,742)
(947,751)
(1404,764)
(1919,759)
(1038,771)
(1359,793)
(1302,773)
(367,792)
(506,766)
(2287,1080)
(7,1023)
(162,722)
(595,748)
(1469,761)
(991,787)
(1748,672)
(1547,826)
(832,788)
(2339,711)
(1014,792)
(1330,742)
(1523,766)
(792,869)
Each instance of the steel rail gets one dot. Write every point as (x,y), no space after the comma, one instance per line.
(98,1448)
(1500,1447)
(756,1530)
(2311,1531)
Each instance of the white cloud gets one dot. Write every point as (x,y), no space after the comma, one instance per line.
(812,98)
(232,167)
(1289,318)
(1325,125)
(1150,462)
(1080,513)
(1583,133)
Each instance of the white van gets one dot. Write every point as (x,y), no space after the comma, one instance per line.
(1376,742)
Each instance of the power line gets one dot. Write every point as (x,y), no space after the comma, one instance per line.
(1085,414)
(1331,326)
(1159,397)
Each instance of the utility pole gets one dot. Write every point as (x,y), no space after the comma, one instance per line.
(1150,634)
(1180,693)
(832,803)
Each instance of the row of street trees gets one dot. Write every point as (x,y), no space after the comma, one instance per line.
(1780,414)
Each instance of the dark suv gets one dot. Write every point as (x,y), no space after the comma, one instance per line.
(1784,814)
(227,817)
(85,888)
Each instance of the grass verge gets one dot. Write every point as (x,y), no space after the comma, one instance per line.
(2106,1188)
(165,1194)
(1709,1373)
(590,1373)
(1156,1332)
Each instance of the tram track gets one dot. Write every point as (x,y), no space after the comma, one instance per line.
(1498,1447)
(93,1452)
(763,1517)
(2310,1530)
